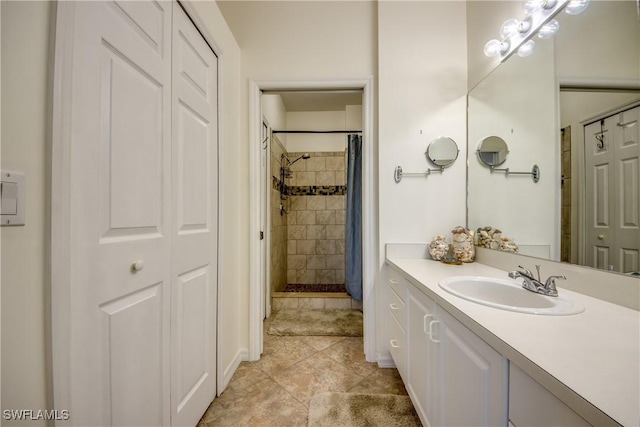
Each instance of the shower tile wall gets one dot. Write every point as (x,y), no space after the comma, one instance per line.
(316,222)
(278,223)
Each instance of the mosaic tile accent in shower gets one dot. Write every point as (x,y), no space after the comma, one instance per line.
(317,190)
(309,190)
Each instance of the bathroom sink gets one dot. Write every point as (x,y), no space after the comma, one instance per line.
(508,294)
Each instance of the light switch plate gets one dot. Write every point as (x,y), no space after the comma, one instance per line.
(12,198)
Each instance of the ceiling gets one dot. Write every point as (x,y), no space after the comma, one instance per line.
(319,100)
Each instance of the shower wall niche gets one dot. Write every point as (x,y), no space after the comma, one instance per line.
(307,218)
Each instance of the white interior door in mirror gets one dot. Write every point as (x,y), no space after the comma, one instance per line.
(612,192)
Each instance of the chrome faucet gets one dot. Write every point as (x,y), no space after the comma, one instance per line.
(535,285)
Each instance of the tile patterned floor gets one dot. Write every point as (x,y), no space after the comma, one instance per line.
(277,389)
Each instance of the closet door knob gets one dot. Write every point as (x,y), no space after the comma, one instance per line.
(137,266)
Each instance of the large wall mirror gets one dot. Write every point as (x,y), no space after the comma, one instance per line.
(588,71)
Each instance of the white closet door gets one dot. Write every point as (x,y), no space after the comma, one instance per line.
(120,194)
(626,134)
(194,201)
(599,197)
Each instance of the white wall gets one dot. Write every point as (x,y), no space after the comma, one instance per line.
(589,48)
(275,112)
(317,120)
(25,113)
(422,95)
(304,40)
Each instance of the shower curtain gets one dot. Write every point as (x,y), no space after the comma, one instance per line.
(353,227)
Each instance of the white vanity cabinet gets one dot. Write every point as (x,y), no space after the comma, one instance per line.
(453,377)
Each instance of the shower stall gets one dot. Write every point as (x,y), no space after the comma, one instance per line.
(307,220)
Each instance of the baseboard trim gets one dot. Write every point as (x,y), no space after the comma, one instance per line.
(242,355)
(385,362)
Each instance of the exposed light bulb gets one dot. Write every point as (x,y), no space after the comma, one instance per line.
(532,6)
(549,29)
(496,47)
(525,25)
(509,28)
(575,7)
(526,49)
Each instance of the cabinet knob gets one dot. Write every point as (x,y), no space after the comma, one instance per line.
(137,266)
(600,236)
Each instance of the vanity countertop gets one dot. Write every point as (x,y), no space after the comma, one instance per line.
(590,361)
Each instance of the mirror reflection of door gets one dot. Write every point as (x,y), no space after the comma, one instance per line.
(612,192)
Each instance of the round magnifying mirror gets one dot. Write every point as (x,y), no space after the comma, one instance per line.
(442,151)
(492,151)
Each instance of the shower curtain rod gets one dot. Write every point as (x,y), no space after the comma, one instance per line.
(317,131)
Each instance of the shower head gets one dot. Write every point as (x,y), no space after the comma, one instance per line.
(305,156)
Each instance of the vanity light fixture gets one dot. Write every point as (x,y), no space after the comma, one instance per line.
(516,34)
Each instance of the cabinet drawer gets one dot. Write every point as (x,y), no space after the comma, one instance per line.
(397,347)
(397,309)
(397,283)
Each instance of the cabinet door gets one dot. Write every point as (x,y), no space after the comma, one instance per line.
(473,378)
(422,355)
(526,397)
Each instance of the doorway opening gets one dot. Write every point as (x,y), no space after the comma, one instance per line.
(307,180)
(303,183)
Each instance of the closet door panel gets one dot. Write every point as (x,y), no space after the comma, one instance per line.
(119,177)
(627,185)
(195,210)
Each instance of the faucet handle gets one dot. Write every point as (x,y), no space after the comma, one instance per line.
(550,285)
(527,271)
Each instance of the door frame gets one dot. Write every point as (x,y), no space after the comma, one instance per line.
(369,204)
(60,191)
(265,246)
